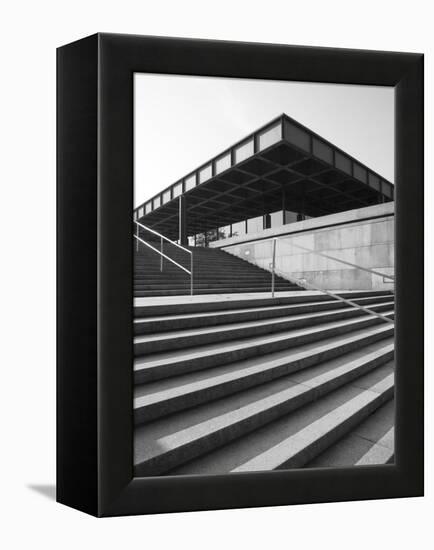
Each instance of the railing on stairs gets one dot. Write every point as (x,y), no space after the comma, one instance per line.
(163,256)
(301,281)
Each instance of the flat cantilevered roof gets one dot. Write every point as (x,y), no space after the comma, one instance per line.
(282,164)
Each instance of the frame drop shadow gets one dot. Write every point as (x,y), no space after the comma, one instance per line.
(48,490)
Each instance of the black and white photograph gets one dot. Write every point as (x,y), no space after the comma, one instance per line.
(216,275)
(264,275)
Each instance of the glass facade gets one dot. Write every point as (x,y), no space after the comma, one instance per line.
(238,229)
(201,239)
(290,217)
(276,219)
(255,225)
(225,232)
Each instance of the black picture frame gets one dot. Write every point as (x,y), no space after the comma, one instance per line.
(95,259)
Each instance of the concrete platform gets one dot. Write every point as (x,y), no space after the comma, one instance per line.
(207,298)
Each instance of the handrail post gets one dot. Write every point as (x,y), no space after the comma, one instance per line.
(191,274)
(273,268)
(161,250)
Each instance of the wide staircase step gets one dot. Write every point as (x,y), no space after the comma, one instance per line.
(259,384)
(214,272)
(371,442)
(145,325)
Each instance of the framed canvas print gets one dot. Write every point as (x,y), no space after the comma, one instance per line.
(240,275)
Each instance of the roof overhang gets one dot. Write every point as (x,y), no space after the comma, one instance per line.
(281,163)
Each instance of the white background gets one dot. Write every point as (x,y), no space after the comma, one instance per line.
(30,32)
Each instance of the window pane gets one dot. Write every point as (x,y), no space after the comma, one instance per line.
(223,163)
(255,225)
(177,189)
(200,239)
(157,202)
(238,229)
(205,173)
(190,182)
(290,217)
(224,232)
(140,213)
(244,151)
(276,218)
(270,136)
(212,235)
(148,207)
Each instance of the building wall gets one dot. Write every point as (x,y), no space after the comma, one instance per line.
(364,237)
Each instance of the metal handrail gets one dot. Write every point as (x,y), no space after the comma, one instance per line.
(163,237)
(161,253)
(311,286)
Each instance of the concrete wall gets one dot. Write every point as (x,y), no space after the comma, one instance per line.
(364,237)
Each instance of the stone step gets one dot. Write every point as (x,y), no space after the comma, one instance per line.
(212,272)
(209,276)
(170,363)
(203,291)
(188,338)
(297,450)
(166,444)
(362,444)
(382,452)
(201,305)
(225,459)
(152,401)
(155,324)
(163,284)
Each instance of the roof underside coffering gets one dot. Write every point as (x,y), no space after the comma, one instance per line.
(283,164)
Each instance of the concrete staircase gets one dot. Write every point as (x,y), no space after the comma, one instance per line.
(253,384)
(215,272)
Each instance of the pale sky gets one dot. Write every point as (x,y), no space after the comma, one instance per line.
(183,121)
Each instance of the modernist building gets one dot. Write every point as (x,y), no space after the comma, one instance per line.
(279,174)
(237,369)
